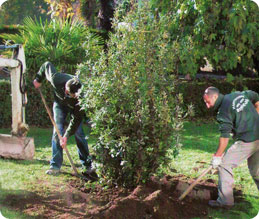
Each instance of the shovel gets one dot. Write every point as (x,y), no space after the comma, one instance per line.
(194,183)
(58,132)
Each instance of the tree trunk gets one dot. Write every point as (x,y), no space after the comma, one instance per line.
(105,14)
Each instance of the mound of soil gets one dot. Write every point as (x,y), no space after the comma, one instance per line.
(156,199)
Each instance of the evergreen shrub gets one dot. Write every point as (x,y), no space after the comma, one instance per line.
(131,99)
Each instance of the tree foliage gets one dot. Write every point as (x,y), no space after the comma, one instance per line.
(98,13)
(130,97)
(225,32)
(14,11)
(62,9)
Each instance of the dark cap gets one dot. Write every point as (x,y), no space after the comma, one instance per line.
(73,85)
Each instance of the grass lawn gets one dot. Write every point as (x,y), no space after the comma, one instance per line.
(199,143)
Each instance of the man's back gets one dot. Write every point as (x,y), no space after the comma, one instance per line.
(237,114)
(58,82)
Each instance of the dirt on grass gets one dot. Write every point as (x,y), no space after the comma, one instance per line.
(156,199)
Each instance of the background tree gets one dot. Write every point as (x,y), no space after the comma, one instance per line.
(226,33)
(98,13)
(14,11)
(89,11)
(62,9)
(105,14)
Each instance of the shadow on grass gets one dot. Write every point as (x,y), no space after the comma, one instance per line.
(26,162)
(26,204)
(37,161)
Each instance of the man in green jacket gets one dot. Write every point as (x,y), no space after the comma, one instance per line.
(66,92)
(237,115)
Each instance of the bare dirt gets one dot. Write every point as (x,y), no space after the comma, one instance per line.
(156,199)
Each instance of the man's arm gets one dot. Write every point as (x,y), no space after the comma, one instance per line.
(76,119)
(47,70)
(74,123)
(223,143)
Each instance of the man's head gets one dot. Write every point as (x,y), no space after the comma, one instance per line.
(72,87)
(210,96)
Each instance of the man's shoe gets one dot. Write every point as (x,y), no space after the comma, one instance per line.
(90,174)
(216,204)
(53,172)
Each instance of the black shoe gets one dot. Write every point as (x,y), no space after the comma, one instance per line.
(216,204)
(90,174)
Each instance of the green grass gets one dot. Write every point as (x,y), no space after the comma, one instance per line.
(200,141)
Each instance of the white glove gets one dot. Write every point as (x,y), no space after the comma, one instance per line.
(216,161)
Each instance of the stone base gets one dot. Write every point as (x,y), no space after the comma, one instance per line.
(16,147)
(201,192)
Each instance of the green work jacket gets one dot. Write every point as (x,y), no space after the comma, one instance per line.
(236,114)
(58,81)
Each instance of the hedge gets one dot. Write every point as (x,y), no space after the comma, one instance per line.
(11,29)
(35,112)
(192,93)
(5,106)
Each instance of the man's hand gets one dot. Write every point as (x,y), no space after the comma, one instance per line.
(257,106)
(63,142)
(36,84)
(216,161)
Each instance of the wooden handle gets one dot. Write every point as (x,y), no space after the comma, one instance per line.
(194,183)
(58,132)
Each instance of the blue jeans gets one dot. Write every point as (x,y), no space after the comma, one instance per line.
(60,113)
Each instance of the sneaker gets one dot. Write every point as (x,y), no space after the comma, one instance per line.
(216,204)
(90,174)
(53,172)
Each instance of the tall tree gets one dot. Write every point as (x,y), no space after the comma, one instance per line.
(97,13)
(105,14)
(14,11)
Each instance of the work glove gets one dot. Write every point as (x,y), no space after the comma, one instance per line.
(216,161)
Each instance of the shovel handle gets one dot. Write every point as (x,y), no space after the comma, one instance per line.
(194,183)
(58,132)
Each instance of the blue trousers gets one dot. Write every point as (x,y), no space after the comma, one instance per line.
(60,113)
